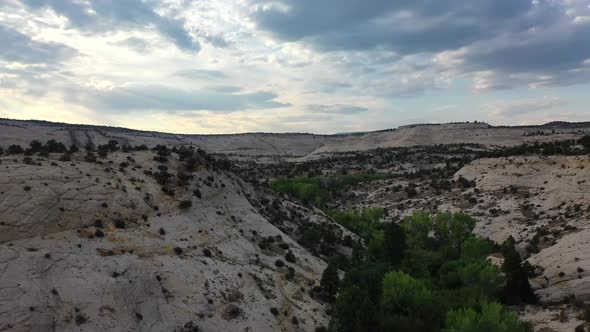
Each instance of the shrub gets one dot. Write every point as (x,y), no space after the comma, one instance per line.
(35,146)
(185,204)
(90,157)
(330,282)
(279,263)
(80,319)
(15,149)
(411,191)
(197,193)
(290,257)
(290,273)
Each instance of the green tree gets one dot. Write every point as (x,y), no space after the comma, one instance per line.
(475,248)
(394,243)
(354,311)
(36,146)
(585,141)
(407,302)
(492,318)
(330,282)
(54,146)
(518,289)
(452,229)
(15,149)
(417,228)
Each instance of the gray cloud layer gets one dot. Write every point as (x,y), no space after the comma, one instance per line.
(336,109)
(544,37)
(162,98)
(106,15)
(21,48)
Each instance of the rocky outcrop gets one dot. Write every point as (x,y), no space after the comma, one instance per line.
(100,247)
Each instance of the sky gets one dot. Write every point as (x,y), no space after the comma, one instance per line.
(321,66)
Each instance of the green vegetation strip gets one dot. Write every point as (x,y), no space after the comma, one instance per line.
(319,190)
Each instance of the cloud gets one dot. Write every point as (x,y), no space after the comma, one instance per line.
(18,47)
(201,74)
(163,98)
(508,37)
(225,88)
(404,26)
(99,16)
(336,109)
(139,45)
(520,107)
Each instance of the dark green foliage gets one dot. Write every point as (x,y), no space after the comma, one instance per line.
(518,289)
(429,274)
(197,193)
(329,283)
(355,312)
(585,142)
(185,204)
(290,257)
(394,244)
(319,190)
(364,224)
(411,191)
(492,317)
(90,157)
(15,149)
(408,304)
(35,146)
(53,146)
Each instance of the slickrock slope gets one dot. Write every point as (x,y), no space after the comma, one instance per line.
(292,145)
(100,247)
(478,133)
(546,197)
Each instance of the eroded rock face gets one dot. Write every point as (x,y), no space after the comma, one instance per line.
(542,193)
(87,249)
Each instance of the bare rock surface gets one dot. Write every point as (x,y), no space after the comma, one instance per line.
(97,247)
(293,146)
(548,193)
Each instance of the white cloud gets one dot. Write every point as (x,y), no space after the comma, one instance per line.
(508,109)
